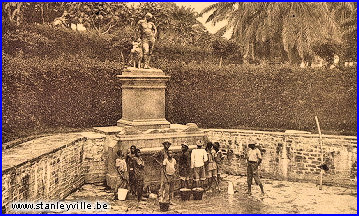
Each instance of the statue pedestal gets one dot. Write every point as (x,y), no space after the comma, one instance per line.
(143,98)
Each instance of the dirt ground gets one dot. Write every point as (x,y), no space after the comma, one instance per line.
(281,197)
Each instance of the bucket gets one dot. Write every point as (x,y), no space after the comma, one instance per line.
(197,193)
(164,206)
(185,193)
(230,188)
(122,194)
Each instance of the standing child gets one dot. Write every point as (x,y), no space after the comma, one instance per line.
(160,157)
(139,174)
(218,158)
(184,166)
(169,174)
(198,159)
(211,168)
(254,159)
(121,168)
(130,160)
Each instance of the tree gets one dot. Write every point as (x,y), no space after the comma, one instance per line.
(225,49)
(294,27)
(13,12)
(99,16)
(345,14)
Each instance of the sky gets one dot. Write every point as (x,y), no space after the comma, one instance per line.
(198,7)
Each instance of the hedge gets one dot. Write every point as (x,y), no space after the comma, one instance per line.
(71,91)
(271,97)
(49,84)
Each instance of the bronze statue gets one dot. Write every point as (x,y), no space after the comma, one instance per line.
(148,33)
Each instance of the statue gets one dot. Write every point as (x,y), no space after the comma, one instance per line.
(136,54)
(148,32)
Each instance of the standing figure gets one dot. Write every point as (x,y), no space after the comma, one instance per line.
(211,166)
(254,159)
(121,168)
(198,158)
(184,166)
(139,174)
(148,33)
(169,171)
(131,169)
(218,156)
(161,156)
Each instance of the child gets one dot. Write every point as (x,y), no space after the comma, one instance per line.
(198,159)
(139,173)
(131,169)
(169,173)
(160,157)
(211,168)
(254,159)
(121,168)
(218,156)
(184,166)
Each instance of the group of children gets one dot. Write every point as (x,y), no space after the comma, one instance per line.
(201,165)
(131,172)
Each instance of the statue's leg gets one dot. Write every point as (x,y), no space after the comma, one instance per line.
(145,48)
(151,46)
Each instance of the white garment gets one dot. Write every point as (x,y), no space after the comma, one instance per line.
(170,166)
(254,155)
(198,157)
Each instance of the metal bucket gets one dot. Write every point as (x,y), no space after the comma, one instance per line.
(185,193)
(122,194)
(164,206)
(197,193)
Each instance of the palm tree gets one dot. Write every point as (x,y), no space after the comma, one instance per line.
(345,14)
(294,26)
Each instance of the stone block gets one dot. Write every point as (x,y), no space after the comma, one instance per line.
(143,98)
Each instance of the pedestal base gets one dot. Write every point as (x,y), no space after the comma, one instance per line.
(145,124)
(143,98)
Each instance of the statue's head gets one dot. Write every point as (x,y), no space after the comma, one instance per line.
(148,16)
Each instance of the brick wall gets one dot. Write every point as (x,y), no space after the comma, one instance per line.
(291,156)
(50,168)
(94,161)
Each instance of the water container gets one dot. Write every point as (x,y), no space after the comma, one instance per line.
(197,193)
(185,193)
(122,194)
(164,206)
(230,188)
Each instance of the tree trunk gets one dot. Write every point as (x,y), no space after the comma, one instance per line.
(220,61)
(42,13)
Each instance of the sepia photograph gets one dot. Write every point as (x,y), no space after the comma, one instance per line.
(179,108)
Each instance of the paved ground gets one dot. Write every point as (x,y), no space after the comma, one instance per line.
(281,198)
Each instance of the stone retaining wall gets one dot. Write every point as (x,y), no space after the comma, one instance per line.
(291,156)
(50,168)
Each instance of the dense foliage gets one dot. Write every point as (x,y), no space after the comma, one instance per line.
(294,31)
(57,77)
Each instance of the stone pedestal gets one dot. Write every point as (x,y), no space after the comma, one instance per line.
(143,98)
